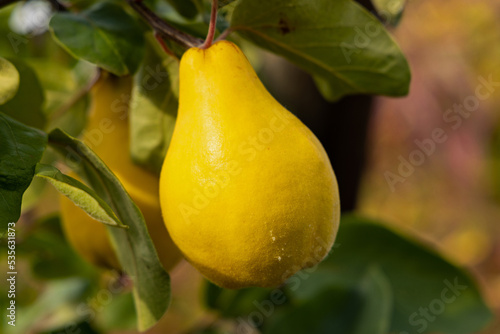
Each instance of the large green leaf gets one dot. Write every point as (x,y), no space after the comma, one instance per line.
(423,283)
(345,48)
(84,197)
(104,35)
(134,247)
(153,109)
(119,314)
(9,80)
(21,147)
(349,307)
(26,105)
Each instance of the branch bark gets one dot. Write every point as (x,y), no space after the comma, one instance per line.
(162,27)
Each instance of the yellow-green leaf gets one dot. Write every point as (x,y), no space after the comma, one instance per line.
(84,197)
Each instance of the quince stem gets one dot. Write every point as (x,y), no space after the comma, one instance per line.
(211,27)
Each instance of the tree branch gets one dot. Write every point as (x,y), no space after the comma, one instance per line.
(162,27)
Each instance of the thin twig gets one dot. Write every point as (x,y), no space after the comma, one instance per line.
(75,98)
(224,34)
(164,46)
(165,29)
(211,27)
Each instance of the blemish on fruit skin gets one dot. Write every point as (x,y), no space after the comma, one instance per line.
(279,258)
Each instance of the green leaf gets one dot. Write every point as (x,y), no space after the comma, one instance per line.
(119,314)
(84,197)
(26,105)
(21,147)
(9,80)
(345,48)
(153,109)
(375,315)
(419,278)
(104,35)
(390,11)
(187,8)
(137,255)
(354,307)
(38,186)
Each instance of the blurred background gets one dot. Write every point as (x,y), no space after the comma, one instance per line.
(451,199)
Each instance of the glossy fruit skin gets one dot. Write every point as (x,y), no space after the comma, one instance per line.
(107,133)
(247,191)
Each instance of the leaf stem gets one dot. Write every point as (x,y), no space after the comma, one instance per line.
(164,46)
(224,34)
(211,27)
(162,27)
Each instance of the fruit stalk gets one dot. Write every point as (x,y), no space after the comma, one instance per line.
(211,27)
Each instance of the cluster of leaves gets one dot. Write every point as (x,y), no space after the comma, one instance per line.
(344,47)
